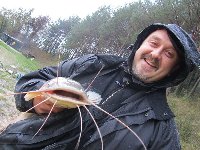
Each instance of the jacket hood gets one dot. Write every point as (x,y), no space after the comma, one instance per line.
(185,47)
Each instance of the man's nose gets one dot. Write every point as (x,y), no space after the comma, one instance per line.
(156,53)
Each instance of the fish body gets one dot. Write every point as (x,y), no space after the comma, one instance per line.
(65,92)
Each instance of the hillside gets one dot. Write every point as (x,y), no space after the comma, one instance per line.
(12,65)
(43,58)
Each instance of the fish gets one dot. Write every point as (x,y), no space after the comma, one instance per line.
(67,93)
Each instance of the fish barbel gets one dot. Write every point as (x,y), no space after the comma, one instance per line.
(67,92)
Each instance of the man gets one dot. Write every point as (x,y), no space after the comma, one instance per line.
(132,90)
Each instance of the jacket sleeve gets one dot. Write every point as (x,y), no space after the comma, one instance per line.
(31,82)
(34,80)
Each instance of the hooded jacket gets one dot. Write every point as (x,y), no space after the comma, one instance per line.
(143,107)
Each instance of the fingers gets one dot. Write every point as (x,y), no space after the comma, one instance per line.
(44,107)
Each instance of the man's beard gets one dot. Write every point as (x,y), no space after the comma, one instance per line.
(138,75)
(148,58)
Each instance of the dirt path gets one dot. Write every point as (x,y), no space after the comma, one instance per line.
(8,111)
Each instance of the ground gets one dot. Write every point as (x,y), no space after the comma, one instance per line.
(8,79)
(8,111)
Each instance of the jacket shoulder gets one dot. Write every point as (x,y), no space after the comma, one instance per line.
(90,63)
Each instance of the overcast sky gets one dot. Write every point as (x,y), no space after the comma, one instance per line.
(62,8)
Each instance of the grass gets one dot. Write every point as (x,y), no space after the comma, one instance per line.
(10,56)
(7,81)
(188,121)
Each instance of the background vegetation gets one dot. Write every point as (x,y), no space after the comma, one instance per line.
(187,119)
(105,31)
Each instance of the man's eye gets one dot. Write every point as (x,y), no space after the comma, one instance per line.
(153,43)
(169,54)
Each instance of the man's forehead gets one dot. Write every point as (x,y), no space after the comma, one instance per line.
(156,34)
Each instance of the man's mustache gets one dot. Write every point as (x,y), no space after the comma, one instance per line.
(150,59)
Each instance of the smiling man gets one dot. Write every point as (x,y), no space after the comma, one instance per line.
(132,89)
(155,58)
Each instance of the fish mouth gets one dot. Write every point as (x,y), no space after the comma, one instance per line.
(66,94)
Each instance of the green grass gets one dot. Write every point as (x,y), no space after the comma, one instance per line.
(14,61)
(7,81)
(10,56)
(188,121)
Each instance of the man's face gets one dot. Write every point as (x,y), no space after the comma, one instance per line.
(155,58)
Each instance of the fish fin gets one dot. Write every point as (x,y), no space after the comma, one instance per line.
(94,97)
(29,96)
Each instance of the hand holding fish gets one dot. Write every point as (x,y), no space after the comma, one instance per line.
(63,92)
(44,107)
